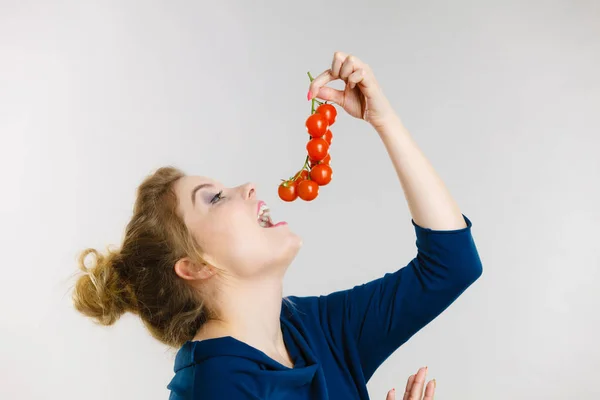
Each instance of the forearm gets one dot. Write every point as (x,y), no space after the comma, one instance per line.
(429,201)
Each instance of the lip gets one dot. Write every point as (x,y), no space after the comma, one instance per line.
(258,206)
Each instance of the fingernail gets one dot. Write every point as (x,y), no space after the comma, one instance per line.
(434,384)
(309,95)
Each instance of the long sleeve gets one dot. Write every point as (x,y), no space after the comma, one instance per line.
(379,316)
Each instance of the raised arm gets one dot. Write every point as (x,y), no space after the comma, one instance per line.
(377,317)
(429,201)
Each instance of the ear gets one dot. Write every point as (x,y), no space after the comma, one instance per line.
(189,270)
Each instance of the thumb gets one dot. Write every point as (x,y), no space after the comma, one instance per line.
(391,395)
(331,94)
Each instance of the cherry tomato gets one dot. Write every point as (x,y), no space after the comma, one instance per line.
(303,176)
(317,149)
(308,190)
(328,111)
(287,191)
(328,136)
(321,174)
(326,160)
(316,125)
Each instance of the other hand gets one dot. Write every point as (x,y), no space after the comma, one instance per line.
(415,386)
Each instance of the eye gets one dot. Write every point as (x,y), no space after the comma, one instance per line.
(217,197)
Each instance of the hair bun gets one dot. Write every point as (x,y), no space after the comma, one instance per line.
(101,293)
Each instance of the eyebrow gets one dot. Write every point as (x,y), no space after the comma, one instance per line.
(202,186)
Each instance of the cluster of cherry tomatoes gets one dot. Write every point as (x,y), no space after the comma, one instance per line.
(316,171)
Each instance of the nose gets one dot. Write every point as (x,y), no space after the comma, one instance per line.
(249,191)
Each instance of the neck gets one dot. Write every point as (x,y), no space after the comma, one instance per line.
(250,312)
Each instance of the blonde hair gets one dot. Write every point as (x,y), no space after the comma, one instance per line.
(140,277)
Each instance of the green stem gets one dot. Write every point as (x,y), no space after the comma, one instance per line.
(304,167)
(312,103)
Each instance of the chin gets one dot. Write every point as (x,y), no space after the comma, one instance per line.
(295,242)
(287,251)
(292,247)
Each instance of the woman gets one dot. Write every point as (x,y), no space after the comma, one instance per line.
(206,277)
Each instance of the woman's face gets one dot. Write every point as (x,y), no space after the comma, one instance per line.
(225,223)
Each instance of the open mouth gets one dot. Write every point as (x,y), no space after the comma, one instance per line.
(264,215)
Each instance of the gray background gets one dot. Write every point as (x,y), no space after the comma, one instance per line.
(502,96)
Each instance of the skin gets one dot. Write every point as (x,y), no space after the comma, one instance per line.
(242,261)
(416,388)
(245,263)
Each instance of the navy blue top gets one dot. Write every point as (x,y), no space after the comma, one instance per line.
(336,341)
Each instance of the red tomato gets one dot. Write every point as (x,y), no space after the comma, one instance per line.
(328,136)
(287,191)
(308,190)
(316,125)
(303,176)
(321,174)
(326,160)
(328,111)
(317,149)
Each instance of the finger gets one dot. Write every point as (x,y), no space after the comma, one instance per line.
(356,77)
(416,392)
(366,80)
(429,390)
(391,395)
(331,94)
(351,64)
(324,78)
(338,59)
(409,384)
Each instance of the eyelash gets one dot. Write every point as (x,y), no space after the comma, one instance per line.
(218,196)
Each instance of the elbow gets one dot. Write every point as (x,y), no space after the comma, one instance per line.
(455,271)
(470,271)
(476,270)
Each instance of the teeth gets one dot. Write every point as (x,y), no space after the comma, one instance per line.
(264,216)
(264,223)
(264,210)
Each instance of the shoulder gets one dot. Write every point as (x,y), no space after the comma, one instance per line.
(301,307)
(225,366)
(225,377)
(223,369)
(311,310)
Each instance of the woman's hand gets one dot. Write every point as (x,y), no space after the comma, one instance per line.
(362,97)
(414,387)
